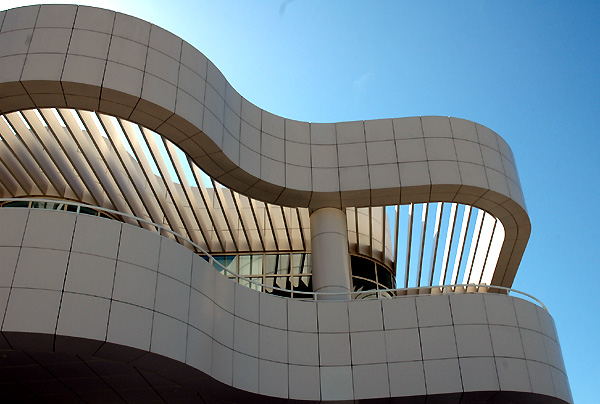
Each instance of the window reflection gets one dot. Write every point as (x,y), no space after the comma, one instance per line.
(59,205)
(293,272)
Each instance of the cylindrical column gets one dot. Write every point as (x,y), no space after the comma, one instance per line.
(330,259)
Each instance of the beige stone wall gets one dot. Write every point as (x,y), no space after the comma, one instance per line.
(128,294)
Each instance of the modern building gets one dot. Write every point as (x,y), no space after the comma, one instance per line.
(164,240)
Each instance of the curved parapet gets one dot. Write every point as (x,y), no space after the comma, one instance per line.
(95,59)
(116,303)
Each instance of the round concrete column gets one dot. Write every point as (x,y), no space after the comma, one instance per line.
(330,259)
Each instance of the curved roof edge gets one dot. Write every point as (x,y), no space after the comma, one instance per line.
(90,58)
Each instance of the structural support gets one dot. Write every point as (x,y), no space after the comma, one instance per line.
(330,259)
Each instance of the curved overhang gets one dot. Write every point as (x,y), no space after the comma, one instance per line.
(88,58)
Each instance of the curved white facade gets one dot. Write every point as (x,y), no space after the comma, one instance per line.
(88,58)
(97,310)
(101,289)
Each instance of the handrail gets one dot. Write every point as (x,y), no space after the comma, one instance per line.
(378,293)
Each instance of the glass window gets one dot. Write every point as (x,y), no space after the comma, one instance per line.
(17,204)
(384,277)
(362,284)
(251,285)
(301,264)
(88,211)
(277,264)
(227,261)
(250,265)
(48,205)
(362,267)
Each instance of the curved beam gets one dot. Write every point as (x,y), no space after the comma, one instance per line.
(89,58)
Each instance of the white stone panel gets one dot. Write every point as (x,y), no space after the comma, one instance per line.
(32,310)
(365,315)
(273,311)
(370,381)
(527,315)
(50,40)
(336,383)
(273,379)
(203,277)
(407,379)
(506,341)
(222,363)
(322,134)
(245,372)
(199,350)
(172,298)
(368,347)
(303,348)
(468,310)
(533,346)
(540,376)
(129,325)
(15,42)
(438,342)
(20,18)
(479,374)
(169,337)
(225,293)
(194,59)
(40,268)
(302,316)
(83,316)
(500,310)
(37,233)
(273,344)
(433,311)
(350,132)
(399,313)
(95,19)
(90,274)
(56,16)
(247,303)
(403,345)
(512,374)
(139,247)
(135,285)
(251,114)
(561,385)
(334,349)
(245,337)
(201,312)
(98,237)
(442,376)
(8,264)
(175,260)
(223,327)
(304,382)
(333,317)
(165,42)
(128,53)
(473,340)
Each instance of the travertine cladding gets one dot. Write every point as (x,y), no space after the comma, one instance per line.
(89,58)
(131,295)
(83,57)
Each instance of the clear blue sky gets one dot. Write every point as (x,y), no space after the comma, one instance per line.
(528,70)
